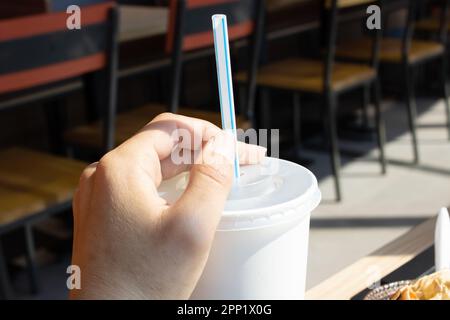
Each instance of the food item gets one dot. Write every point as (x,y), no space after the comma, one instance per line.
(435,286)
(261,244)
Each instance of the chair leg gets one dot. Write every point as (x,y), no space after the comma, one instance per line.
(381,129)
(445,85)
(5,285)
(412,111)
(365,106)
(331,106)
(265,108)
(264,95)
(297,119)
(242,102)
(31,261)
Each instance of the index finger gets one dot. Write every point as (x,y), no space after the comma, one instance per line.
(157,140)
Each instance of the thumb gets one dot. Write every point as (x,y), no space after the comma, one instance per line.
(200,207)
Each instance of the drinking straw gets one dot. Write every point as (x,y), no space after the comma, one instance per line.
(221,45)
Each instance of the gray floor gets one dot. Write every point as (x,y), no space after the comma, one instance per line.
(375,208)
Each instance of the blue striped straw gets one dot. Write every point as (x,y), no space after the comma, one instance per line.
(220,31)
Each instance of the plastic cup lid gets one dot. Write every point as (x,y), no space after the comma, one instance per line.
(273,192)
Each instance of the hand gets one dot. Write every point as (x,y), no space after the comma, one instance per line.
(128,242)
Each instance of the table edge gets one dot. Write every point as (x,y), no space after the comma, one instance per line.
(358,276)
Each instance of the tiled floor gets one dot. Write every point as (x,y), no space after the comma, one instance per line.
(375,208)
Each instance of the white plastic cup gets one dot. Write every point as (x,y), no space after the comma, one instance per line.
(260,248)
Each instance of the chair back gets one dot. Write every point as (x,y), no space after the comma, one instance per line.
(414,7)
(330,12)
(190,28)
(39,50)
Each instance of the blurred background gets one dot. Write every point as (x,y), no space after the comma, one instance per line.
(366,110)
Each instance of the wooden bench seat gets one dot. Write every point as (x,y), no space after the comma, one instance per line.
(308,75)
(429,25)
(31,182)
(128,123)
(390,50)
(348,3)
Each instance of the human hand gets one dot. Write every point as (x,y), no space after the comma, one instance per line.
(128,242)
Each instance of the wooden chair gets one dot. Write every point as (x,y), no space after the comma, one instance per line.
(190,29)
(324,78)
(438,27)
(408,53)
(39,50)
(17,8)
(431,22)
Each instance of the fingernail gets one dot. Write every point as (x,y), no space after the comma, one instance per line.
(257,153)
(219,153)
(262,151)
(225,145)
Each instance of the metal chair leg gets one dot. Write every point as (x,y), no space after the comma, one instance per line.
(412,110)
(381,129)
(331,105)
(365,106)
(265,113)
(265,107)
(30,257)
(242,109)
(297,119)
(5,285)
(445,85)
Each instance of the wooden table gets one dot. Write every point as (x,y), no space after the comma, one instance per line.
(357,277)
